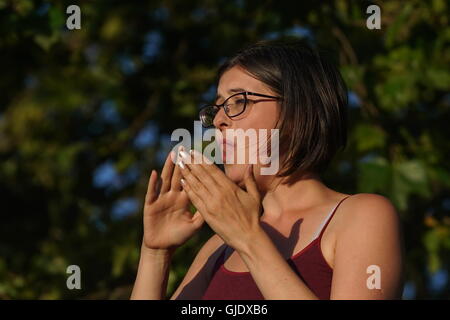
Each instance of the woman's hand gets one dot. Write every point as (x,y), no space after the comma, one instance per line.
(233,213)
(168,223)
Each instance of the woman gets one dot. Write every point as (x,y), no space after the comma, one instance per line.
(310,242)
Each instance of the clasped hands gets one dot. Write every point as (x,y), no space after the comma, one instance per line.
(232,212)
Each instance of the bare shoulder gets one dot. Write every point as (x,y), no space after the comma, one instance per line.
(368,235)
(367,203)
(366,210)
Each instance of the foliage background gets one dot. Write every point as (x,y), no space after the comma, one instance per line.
(86,114)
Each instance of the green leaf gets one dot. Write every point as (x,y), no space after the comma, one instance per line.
(46,42)
(369,137)
(409,178)
(119,259)
(57,18)
(431,241)
(374,175)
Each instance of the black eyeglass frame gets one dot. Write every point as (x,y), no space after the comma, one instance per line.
(245,93)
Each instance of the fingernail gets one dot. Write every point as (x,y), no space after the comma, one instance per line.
(180,164)
(183,154)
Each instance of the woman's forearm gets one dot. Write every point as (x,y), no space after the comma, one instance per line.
(152,275)
(262,259)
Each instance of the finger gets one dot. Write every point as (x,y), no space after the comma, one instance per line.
(196,168)
(250,183)
(151,188)
(196,185)
(175,184)
(198,219)
(215,176)
(200,158)
(214,172)
(158,186)
(193,196)
(185,169)
(167,173)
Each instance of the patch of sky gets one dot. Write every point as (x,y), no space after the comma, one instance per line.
(124,207)
(152,45)
(295,31)
(368,158)
(43,9)
(166,146)
(299,32)
(147,136)
(126,64)
(108,112)
(353,99)
(106,176)
(209,95)
(409,291)
(437,281)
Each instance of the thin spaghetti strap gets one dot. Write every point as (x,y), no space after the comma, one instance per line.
(331,216)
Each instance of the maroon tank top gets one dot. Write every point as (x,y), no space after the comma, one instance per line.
(309,264)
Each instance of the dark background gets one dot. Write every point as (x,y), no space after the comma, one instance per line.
(86,114)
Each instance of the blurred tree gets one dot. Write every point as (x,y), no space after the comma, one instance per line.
(86,114)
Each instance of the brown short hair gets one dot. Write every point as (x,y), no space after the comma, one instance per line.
(313,118)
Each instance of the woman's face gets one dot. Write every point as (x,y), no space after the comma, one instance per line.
(260,113)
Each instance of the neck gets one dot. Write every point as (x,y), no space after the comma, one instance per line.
(278,201)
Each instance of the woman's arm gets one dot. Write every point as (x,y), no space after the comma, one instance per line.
(274,277)
(370,236)
(153,271)
(168,224)
(152,275)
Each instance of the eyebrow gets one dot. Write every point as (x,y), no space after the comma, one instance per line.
(233,90)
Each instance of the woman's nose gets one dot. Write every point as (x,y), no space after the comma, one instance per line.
(221,120)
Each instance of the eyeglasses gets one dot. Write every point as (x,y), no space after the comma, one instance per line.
(233,106)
